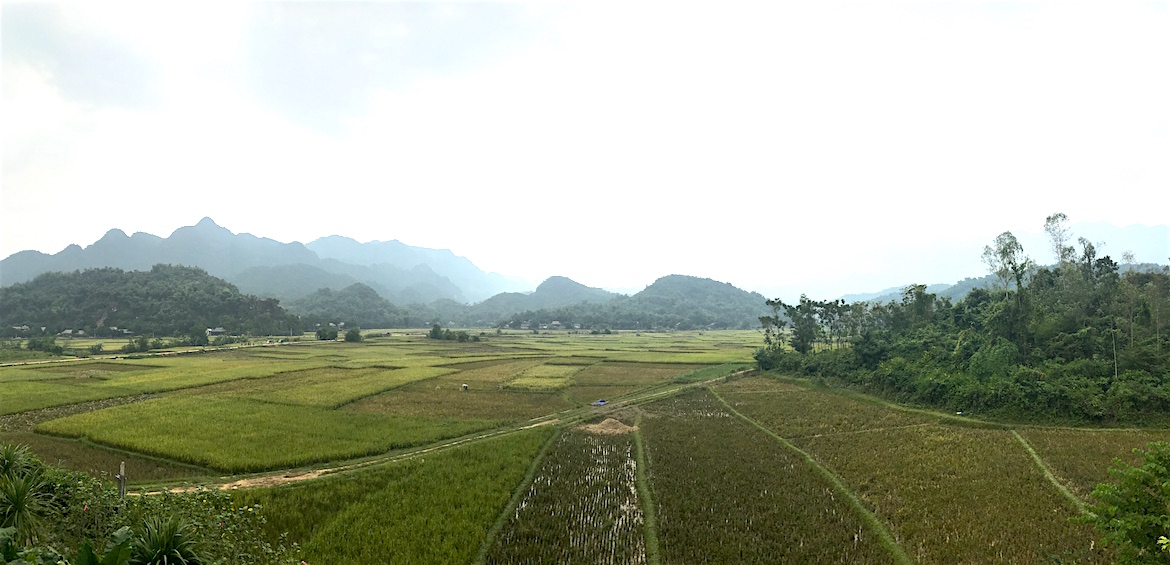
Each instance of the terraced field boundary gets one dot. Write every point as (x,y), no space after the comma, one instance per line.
(517,497)
(887,540)
(649,513)
(1074,499)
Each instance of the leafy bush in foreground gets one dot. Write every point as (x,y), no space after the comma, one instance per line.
(55,516)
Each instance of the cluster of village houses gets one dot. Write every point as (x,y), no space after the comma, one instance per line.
(553,325)
(124,332)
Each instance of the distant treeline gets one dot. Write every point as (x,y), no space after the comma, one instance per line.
(1077,341)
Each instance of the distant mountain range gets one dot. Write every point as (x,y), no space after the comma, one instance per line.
(401,273)
(391,284)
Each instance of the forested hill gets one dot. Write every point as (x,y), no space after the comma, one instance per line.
(164,301)
(672,302)
(1079,341)
(358,305)
(554,292)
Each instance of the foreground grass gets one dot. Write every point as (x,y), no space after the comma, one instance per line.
(431,509)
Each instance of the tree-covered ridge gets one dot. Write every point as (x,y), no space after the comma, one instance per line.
(673,302)
(1075,341)
(554,292)
(358,305)
(167,300)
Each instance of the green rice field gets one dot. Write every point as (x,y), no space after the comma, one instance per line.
(402,449)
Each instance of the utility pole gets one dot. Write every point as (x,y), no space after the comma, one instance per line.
(121,477)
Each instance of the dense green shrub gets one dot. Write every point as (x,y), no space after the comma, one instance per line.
(53,515)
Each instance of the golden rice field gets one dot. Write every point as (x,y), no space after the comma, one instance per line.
(442,452)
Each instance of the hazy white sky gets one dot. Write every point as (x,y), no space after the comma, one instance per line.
(825,147)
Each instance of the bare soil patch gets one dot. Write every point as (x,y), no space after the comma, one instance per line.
(609,427)
(274,480)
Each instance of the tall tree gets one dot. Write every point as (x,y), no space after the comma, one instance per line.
(1059,234)
(1007,260)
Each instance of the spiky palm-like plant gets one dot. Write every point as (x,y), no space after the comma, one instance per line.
(14,460)
(23,501)
(165,541)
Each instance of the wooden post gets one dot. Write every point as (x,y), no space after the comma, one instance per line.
(121,480)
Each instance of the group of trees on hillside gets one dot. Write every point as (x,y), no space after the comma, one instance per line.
(1077,340)
(167,300)
(358,305)
(673,303)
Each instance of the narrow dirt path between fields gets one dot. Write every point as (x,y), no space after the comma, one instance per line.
(517,497)
(646,497)
(1080,504)
(887,540)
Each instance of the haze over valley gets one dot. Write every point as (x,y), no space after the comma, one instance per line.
(317,282)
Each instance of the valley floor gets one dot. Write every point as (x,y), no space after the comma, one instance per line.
(404,449)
